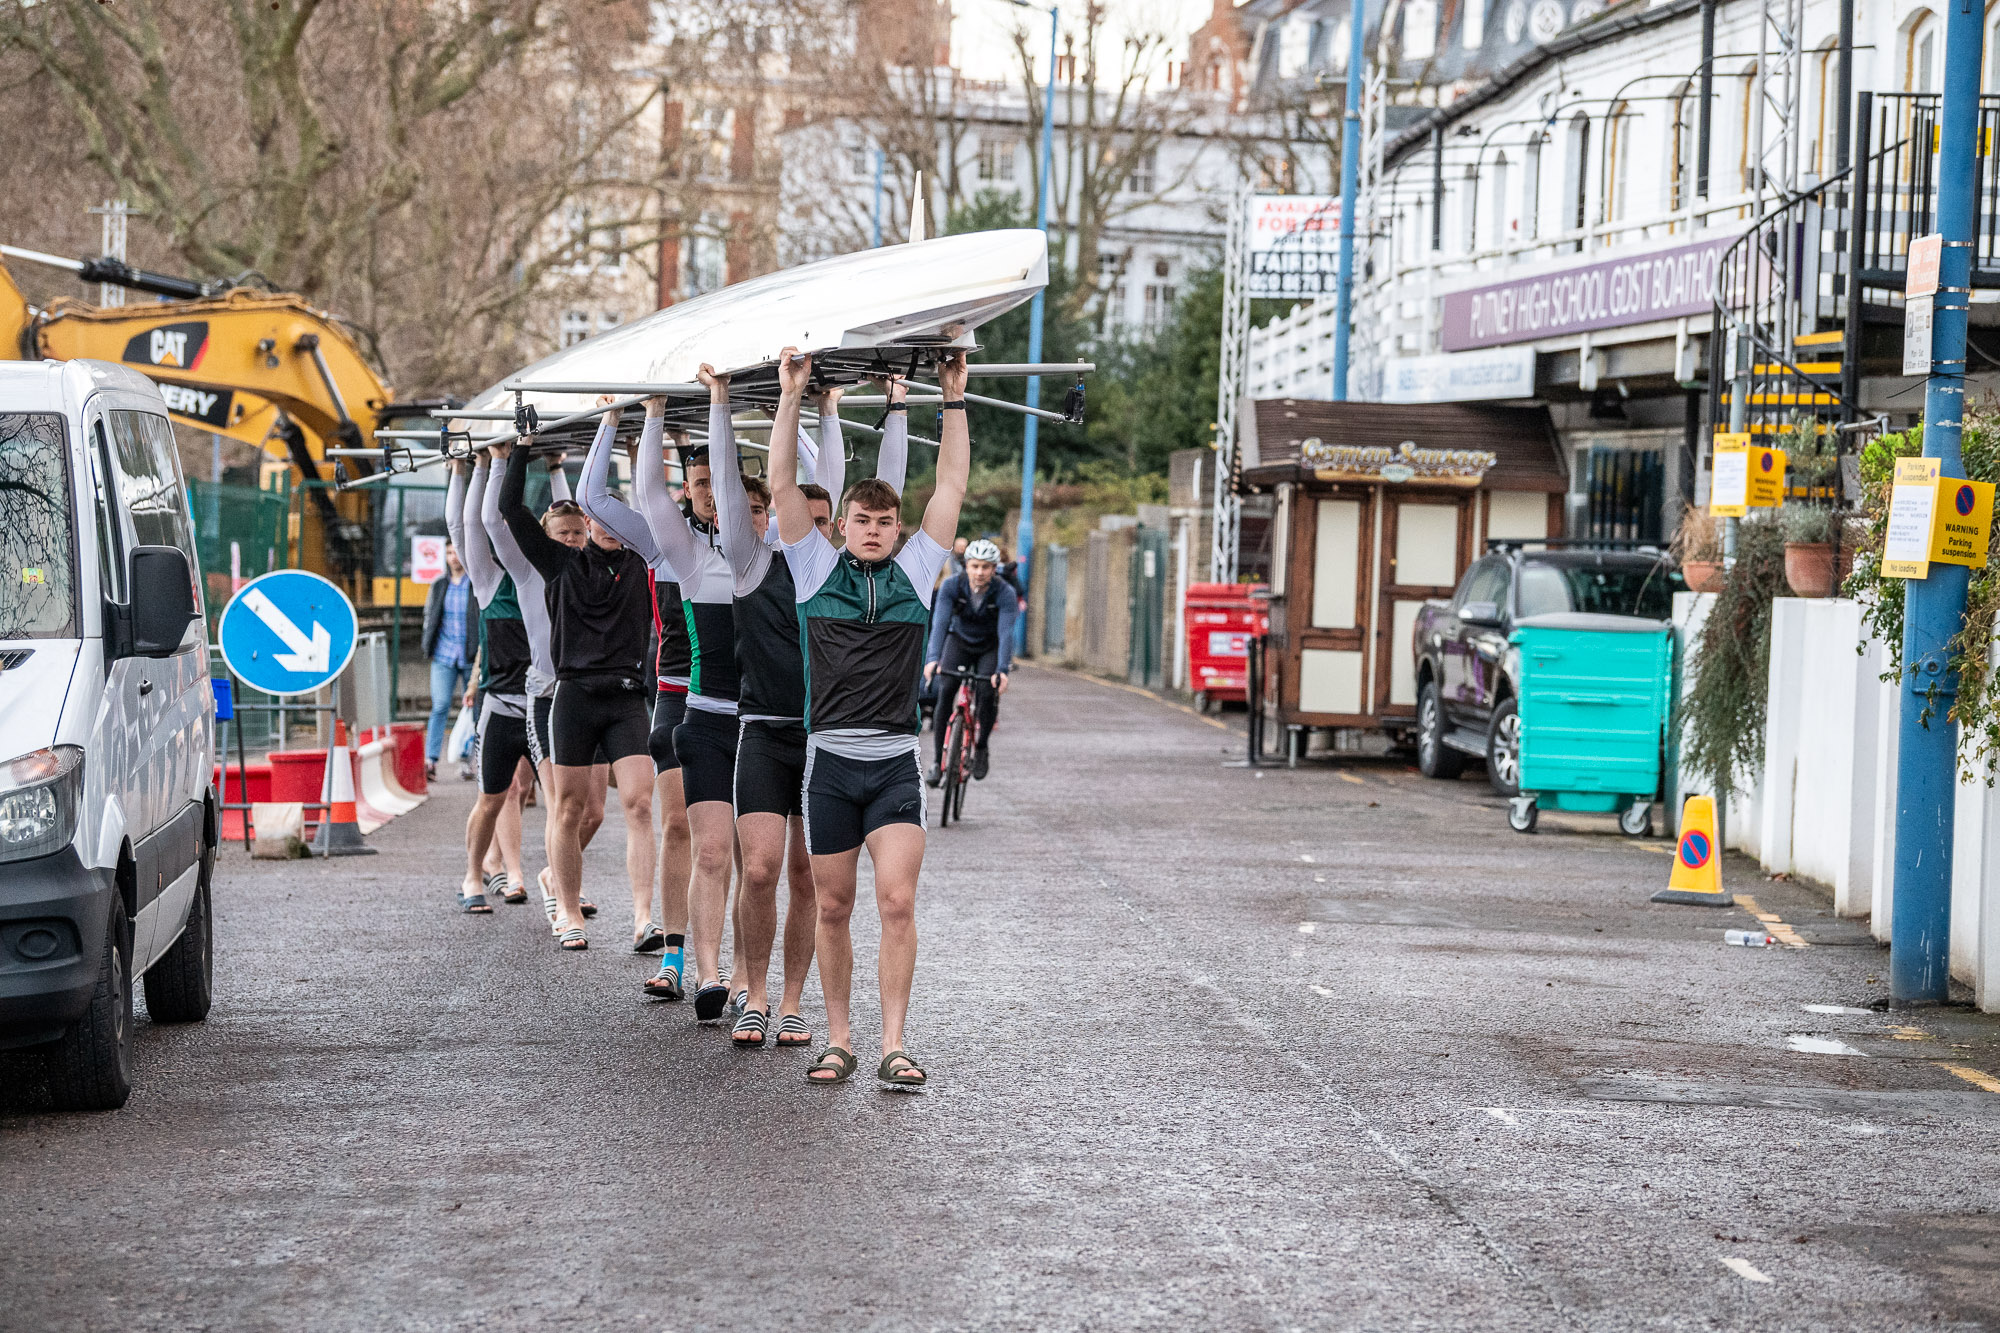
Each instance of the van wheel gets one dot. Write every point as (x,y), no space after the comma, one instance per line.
(1503,749)
(179,986)
(1434,759)
(90,1067)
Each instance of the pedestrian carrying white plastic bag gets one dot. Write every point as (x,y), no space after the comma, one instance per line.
(459,746)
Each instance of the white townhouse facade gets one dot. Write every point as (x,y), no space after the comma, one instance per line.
(1548,234)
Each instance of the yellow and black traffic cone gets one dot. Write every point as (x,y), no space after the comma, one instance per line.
(1697,877)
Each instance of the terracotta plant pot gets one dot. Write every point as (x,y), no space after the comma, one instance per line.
(1809,568)
(1702,575)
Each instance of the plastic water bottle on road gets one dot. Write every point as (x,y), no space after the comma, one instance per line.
(1749,939)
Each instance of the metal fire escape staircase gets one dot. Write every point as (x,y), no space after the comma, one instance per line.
(1799,293)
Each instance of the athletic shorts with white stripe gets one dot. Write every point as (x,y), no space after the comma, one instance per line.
(848,799)
(503,744)
(771,768)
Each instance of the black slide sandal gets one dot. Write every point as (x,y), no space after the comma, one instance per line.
(710,1001)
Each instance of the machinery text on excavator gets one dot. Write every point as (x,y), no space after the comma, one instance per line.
(265,368)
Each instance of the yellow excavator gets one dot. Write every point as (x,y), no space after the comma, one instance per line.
(262,367)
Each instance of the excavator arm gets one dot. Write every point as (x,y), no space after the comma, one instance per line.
(260,367)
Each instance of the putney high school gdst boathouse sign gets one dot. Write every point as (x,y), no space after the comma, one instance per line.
(1634,289)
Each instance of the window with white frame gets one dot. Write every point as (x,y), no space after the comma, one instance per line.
(1468,210)
(1680,151)
(589,245)
(1145,167)
(1472,29)
(1159,306)
(707,262)
(608,320)
(1920,65)
(860,162)
(573,327)
(996,160)
(1621,129)
(1420,20)
(1498,229)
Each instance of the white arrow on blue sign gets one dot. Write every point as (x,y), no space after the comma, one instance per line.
(287,632)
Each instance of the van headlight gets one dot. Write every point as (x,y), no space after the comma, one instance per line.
(39,797)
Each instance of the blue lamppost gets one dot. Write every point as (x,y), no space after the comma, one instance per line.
(1350,185)
(1024,536)
(1927,748)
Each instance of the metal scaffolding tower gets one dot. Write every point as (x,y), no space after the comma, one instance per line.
(1229,389)
(1371,263)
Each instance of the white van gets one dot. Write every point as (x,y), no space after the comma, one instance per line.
(108,815)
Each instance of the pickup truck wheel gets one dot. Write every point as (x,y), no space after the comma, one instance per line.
(90,1066)
(1503,750)
(1434,758)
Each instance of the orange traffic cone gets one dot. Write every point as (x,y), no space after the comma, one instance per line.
(340,832)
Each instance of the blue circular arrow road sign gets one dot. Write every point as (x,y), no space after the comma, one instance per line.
(287,632)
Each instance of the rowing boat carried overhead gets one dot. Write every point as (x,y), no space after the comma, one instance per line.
(891,310)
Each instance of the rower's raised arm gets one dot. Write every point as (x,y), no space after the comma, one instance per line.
(892,463)
(598,501)
(954,465)
(475,550)
(788,502)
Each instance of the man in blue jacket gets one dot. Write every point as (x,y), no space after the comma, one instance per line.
(972,627)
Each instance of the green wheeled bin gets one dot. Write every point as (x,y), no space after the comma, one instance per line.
(1593,705)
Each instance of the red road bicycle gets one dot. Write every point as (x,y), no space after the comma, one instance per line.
(957,748)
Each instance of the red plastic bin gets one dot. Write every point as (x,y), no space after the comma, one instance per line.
(1220,619)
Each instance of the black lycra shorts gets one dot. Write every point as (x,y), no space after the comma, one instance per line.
(503,744)
(848,799)
(597,725)
(538,730)
(771,768)
(706,743)
(669,707)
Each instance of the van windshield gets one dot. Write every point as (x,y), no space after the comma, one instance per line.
(37,568)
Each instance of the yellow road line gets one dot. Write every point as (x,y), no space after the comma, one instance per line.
(1979,1078)
(1779,931)
(1131,689)
(1349,777)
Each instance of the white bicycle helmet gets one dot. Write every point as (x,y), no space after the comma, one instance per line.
(983,550)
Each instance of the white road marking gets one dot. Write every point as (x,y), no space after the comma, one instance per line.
(1307,859)
(1744,1269)
(1305,927)
(1319,879)
(1321,990)
(1799,1041)
(1836,1009)
(1506,1114)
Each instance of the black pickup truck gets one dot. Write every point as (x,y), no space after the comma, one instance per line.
(1466,671)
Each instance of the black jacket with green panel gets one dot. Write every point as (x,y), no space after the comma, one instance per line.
(862,626)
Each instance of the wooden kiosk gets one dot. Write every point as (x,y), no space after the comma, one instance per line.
(1379,507)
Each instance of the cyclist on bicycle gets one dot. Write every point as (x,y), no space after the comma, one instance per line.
(972,628)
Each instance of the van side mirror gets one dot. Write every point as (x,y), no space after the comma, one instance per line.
(1480,613)
(162,587)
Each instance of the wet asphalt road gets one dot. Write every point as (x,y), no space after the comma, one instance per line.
(1326,1048)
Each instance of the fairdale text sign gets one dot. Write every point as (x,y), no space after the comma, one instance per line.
(1294,244)
(1667,284)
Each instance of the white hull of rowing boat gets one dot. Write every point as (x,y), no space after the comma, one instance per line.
(925,294)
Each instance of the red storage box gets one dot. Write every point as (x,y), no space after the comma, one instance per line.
(1220,619)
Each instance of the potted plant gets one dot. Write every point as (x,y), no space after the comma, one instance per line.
(1812,534)
(1698,547)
